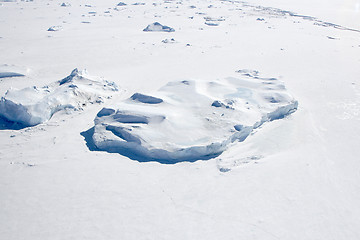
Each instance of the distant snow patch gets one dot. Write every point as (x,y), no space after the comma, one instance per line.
(55,28)
(65,4)
(33,105)
(211,24)
(121,4)
(214,19)
(190,120)
(157,27)
(9,71)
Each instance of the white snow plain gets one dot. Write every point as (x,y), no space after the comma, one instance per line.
(294,178)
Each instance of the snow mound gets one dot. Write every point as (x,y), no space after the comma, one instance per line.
(190,120)
(10,74)
(157,27)
(9,71)
(32,106)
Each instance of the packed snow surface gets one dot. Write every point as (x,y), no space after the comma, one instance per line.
(31,106)
(191,120)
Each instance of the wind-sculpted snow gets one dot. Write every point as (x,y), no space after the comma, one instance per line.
(10,74)
(32,106)
(9,71)
(190,120)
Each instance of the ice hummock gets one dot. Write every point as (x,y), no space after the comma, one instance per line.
(190,120)
(31,106)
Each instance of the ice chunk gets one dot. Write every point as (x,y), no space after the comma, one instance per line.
(157,27)
(32,106)
(195,120)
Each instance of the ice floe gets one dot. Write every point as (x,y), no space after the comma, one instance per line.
(190,120)
(33,105)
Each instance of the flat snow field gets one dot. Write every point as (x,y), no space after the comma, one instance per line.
(295,176)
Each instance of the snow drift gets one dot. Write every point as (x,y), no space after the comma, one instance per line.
(32,106)
(190,120)
(157,27)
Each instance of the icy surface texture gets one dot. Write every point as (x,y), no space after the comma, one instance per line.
(157,27)
(32,106)
(8,71)
(190,120)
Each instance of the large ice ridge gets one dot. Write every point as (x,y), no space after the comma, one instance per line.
(190,120)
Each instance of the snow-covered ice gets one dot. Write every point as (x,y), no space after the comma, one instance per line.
(8,71)
(31,106)
(294,178)
(121,4)
(157,27)
(191,119)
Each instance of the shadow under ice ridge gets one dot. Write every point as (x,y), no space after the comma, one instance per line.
(124,151)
